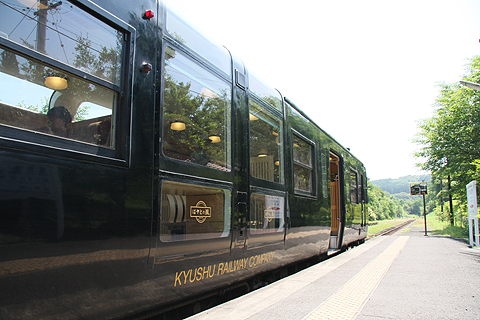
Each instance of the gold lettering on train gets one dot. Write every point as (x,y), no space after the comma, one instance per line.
(206,272)
(200,212)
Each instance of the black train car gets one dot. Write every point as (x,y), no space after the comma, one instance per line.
(143,166)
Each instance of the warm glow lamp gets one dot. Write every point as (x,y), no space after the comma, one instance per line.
(262,154)
(177,125)
(56,82)
(215,139)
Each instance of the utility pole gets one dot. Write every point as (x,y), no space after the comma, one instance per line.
(41,13)
(424,214)
(450,199)
(441,195)
(42,25)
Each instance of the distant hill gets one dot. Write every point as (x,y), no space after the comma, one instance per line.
(400,187)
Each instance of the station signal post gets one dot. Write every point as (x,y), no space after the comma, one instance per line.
(420,188)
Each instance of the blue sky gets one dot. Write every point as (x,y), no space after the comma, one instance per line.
(365,71)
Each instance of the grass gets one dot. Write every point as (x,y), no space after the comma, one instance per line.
(443,228)
(434,227)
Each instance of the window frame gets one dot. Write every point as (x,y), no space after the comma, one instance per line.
(254,232)
(269,184)
(25,139)
(353,172)
(190,50)
(169,164)
(227,213)
(167,249)
(365,188)
(312,168)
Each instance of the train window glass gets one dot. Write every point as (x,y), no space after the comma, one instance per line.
(267,213)
(353,186)
(82,111)
(182,32)
(265,92)
(323,175)
(65,33)
(302,164)
(196,113)
(266,137)
(192,212)
(364,189)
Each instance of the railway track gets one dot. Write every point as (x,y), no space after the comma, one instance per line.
(392,230)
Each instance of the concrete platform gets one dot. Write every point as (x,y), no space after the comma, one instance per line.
(406,276)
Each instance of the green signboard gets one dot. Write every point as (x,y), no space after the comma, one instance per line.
(418,188)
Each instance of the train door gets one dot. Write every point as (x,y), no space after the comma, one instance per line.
(336,200)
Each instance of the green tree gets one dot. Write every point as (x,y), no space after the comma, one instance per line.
(103,63)
(43,108)
(382,205)
(203,116)
(449,139)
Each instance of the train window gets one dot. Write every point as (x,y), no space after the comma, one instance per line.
(302,164)
(82,111)
(364,189)
(267,213)
(182,32)
(66,33)
(267,93)
(196,114)
(266,137)
(323,174)
(192,212)
(60,75)
(353,186)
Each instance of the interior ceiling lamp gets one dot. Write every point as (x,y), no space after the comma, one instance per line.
(215,139)
(277,138)
(177,125)
(56,82)
(262,153)
(33,4)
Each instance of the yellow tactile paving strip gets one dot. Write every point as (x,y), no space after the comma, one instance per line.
(349,299)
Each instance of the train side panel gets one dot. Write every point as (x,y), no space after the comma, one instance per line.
(309,203)
(77,206)
(143,166)
(356,203)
